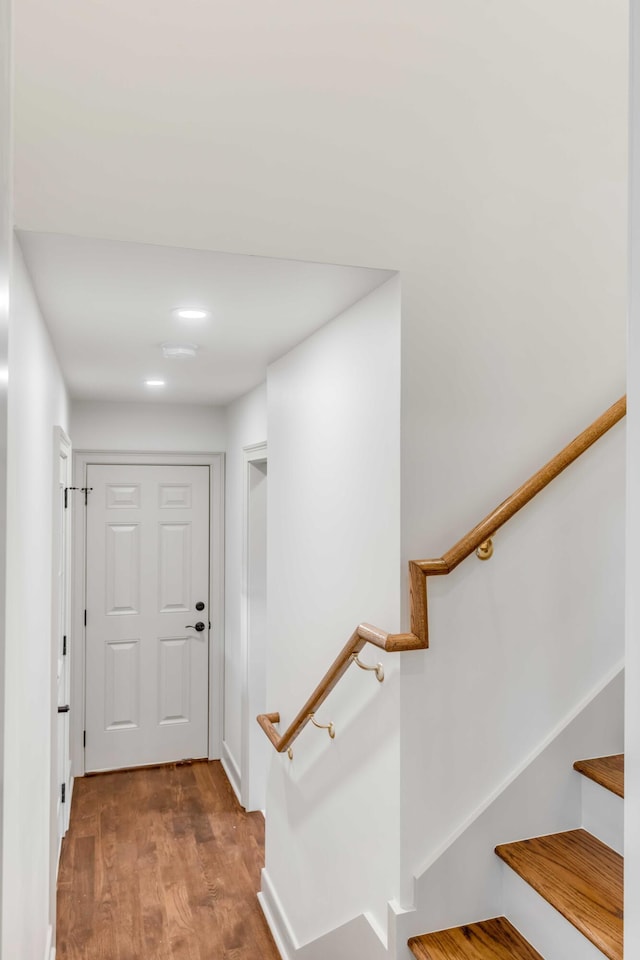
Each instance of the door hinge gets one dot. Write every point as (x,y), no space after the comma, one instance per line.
(85,490)
(66,495)
(85,618)
(84,738)
(64,646)
(63,793)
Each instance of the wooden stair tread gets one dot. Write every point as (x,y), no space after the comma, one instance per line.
(580,877)
(490,940)
(607,771)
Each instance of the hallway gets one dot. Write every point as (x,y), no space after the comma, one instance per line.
(161,863)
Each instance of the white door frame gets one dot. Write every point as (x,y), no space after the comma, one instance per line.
(61,448)
(255,453)
(215,461)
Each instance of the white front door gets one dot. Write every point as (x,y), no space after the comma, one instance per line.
(147,615)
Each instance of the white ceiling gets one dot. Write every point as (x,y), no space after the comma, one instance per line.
(284,128)
(370,132)
(447,140)
(108,306)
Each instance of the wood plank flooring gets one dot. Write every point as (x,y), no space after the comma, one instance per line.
(161,864)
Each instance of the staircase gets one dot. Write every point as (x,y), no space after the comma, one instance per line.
(563,892)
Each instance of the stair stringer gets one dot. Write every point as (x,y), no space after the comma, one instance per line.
(357,939)
(462,883)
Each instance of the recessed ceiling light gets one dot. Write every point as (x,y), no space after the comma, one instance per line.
(155,383)
(179,351)
(191,313)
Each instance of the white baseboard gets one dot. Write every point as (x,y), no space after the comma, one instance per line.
(50,950)
(70,783)
(276,919)
(232,770)
(357,938)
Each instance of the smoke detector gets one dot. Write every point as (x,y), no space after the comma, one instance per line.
(179,351)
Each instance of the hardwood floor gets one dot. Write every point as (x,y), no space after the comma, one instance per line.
(161,864)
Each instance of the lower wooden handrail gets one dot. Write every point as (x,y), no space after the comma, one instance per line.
(362,635)
(419,570)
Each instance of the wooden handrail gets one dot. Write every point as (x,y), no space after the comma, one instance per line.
(363,634)
(419,570)
(509,507)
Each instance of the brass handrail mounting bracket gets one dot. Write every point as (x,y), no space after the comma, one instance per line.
(323,726)
(379,669)
(477,540)
(485,550)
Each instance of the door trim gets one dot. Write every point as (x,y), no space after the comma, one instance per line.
(215,461)
(255,453)
(61,447)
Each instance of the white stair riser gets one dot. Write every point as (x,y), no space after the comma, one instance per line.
(603,814)
(541,924)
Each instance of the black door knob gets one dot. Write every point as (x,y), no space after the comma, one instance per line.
(199,626)
(199,605)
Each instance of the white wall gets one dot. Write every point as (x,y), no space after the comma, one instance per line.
(515,643)
(513,342)
(153,426)
(480,148)
(632,697)
(37,402)
(464,880)
(333,561)
(256,748)
(6,241)
(246,425)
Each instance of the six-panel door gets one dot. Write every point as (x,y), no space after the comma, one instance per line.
(147,568)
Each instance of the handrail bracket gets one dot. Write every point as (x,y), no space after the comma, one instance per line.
(485,550)
(329,727)
(379,669)
(479,540)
